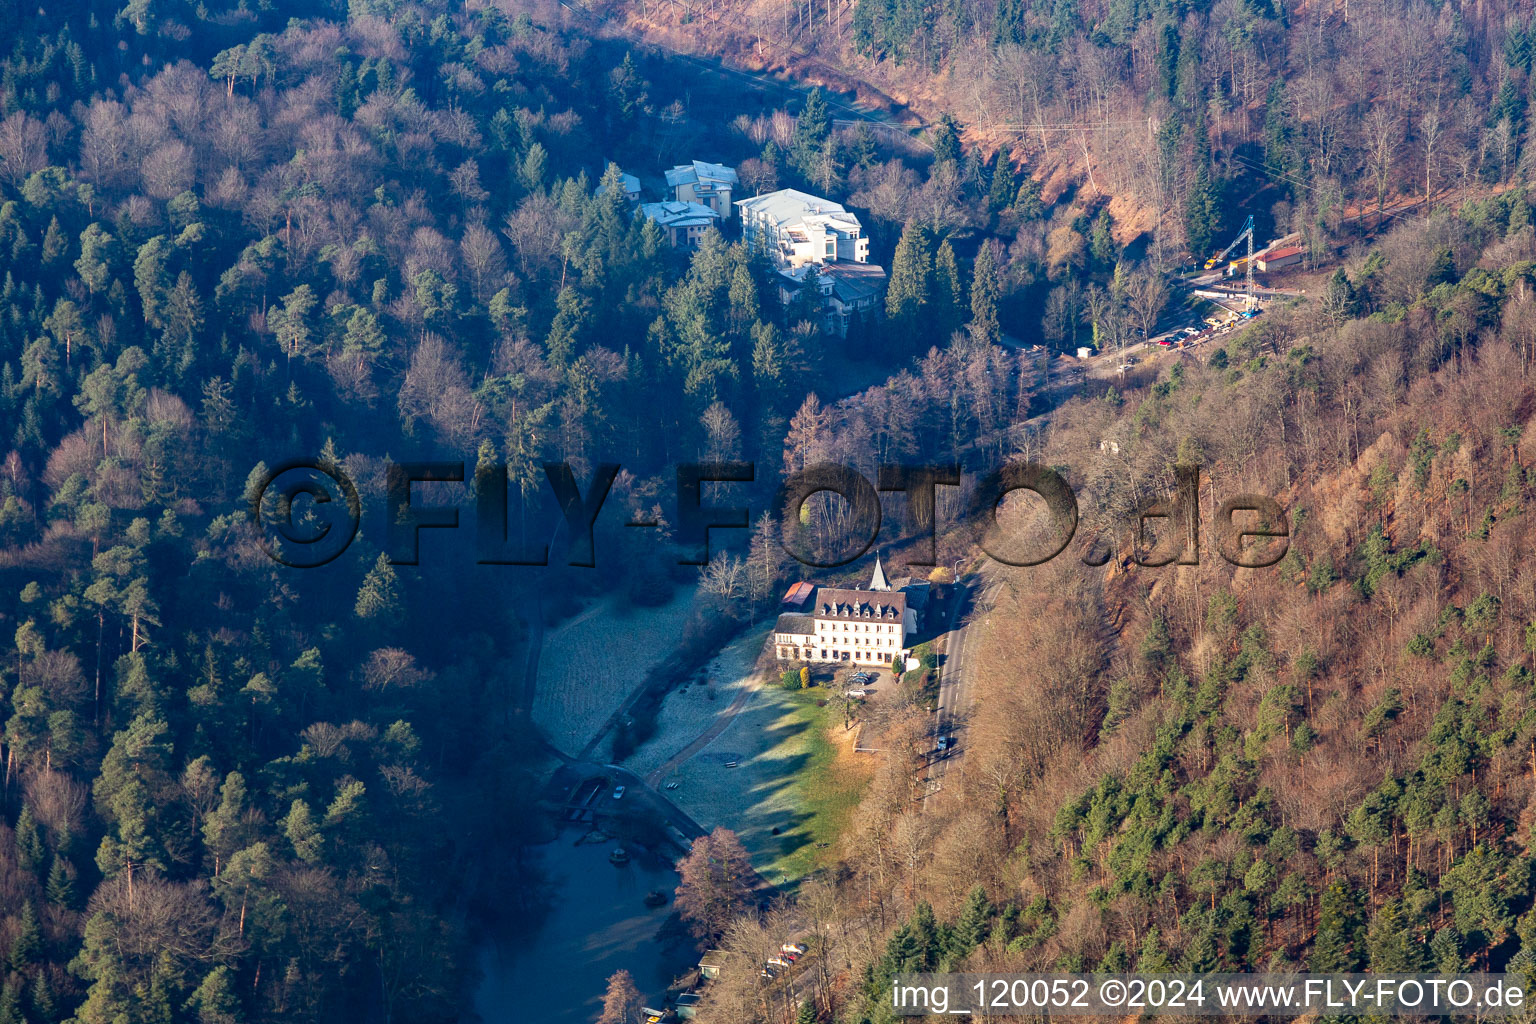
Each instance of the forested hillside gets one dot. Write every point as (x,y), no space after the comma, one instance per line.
(1184,111)
(1323,765)
(230,236)
(235,791)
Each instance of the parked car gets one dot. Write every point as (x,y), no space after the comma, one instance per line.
(778,961)
(767,972)
(618,792)
(946,742)
(793,947)
(857,693)
(1165,342)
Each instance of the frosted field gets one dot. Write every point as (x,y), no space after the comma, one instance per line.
(689,711)
(769,741)
(590,663)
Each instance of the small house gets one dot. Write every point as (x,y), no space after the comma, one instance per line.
(1274,259)
(702,182)
(711,964)
(683,223)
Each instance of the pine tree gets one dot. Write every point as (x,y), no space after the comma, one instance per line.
(533,168)
(1003,181)
(927,936)
(303,833)
(216,1001)
(1336,949)
(973,924)
(1101,240)
(379,598)
(224,829)
(986,291)
(55,244)
(813,129)
(10,1005)
(807,1014)
(29,838)
(44,1006)
(947,293)
(27,944)
(946,140)
(61,884)
(1200,212)
(1009,24)
(910,287)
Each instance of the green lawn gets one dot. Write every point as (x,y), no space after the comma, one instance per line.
(826,787)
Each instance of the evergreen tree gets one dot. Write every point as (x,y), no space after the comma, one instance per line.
(61,884)
(1003,187)
(986,293)
(1101,240)
(813,129)
(973,924)
(947,293)
(30,849)
(1009,24)
(1336,948)
(215,1001)
(379,598)
(304,833)
(909,290)
(44,1006)
(27,943)
(946,140)
(1200,213)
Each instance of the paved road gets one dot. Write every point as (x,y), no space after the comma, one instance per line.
(972,602)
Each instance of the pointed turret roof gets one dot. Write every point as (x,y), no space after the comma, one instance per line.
(878,580)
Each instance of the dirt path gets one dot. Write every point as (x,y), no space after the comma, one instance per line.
(704,739)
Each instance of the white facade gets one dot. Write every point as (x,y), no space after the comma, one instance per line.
(797,228)
(857,627)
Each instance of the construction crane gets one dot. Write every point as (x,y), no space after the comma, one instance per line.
(1245,235)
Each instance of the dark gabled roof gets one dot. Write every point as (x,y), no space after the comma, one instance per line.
(795,622)
(860,605)
(916,595)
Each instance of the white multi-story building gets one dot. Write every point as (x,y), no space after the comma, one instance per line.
(706,183)
(796,228)
(863,627)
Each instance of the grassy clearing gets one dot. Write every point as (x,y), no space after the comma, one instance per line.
(830,785)
(794,785)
